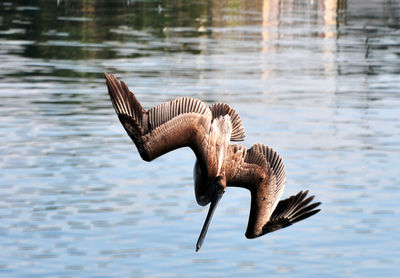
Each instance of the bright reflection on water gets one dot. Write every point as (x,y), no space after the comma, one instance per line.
(317,80)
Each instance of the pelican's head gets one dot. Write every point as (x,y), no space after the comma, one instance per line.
(218,186)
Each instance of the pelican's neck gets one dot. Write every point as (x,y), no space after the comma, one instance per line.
(220,135)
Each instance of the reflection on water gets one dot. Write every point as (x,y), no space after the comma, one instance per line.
(317,80)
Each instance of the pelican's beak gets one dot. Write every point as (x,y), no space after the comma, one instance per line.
(214,202)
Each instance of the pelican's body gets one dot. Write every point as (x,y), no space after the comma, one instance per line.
(187,122)
(206,172)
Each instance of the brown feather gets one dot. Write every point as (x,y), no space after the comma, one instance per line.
(222,109)
(290,211)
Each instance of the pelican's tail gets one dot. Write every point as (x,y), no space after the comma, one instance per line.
(222,109)
(290,211)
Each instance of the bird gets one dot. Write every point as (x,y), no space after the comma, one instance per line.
(208,131)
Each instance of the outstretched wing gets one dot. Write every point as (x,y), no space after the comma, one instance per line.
(184,122)
(261,170)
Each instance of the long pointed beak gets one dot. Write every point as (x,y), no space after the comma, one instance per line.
(211,210)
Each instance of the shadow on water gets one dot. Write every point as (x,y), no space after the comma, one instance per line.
(316,80)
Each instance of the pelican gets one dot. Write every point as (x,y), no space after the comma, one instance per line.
(188,122)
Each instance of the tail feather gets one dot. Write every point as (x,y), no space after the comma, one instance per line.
(290,211)
(222,109)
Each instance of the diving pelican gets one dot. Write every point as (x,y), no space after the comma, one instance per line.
(188,122)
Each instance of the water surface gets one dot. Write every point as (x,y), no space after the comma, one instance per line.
(319,81)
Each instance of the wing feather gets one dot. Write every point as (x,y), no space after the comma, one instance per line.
(256,169)
(165,112)
(290,211)
(261,170)
(183,122)
(259,167)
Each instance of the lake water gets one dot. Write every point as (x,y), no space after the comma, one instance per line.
(317,80)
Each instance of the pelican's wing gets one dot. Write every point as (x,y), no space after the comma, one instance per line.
(260,169)
(184,122)
(222,109)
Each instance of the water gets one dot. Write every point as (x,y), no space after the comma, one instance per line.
(317,80)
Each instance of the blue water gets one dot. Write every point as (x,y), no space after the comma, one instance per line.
(319,81)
